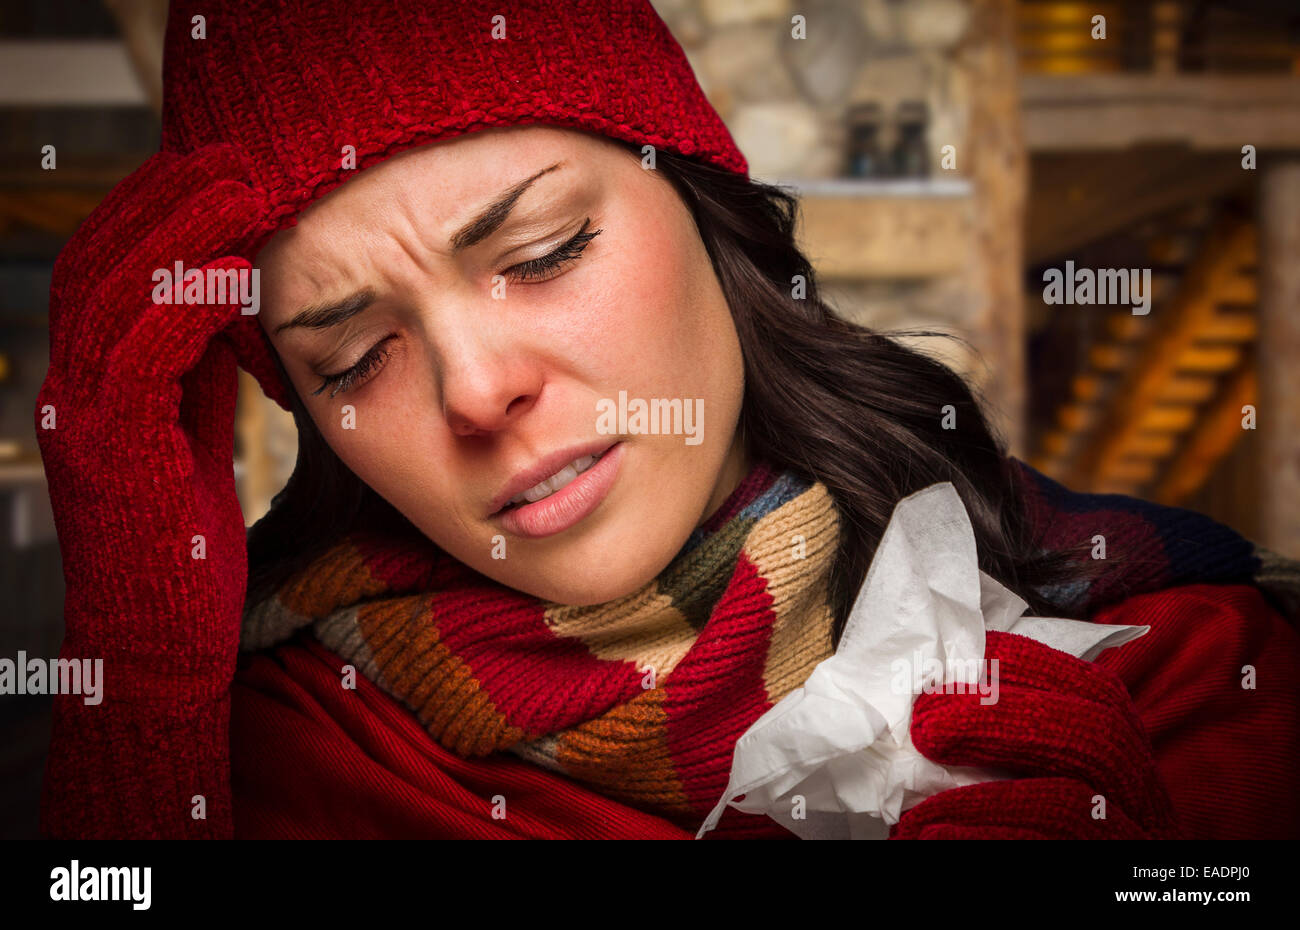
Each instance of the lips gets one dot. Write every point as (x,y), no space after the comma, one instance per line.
(544,468)
(569,506)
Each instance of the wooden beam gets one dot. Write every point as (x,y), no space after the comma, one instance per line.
(143,24)
(869,233)
(999,166)
(1278,353)
(1082,197)
(68,72)
(1116,111)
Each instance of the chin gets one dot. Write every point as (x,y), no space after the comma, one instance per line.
(595,580)
(589,590)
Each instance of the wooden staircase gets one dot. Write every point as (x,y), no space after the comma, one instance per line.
(1158,401)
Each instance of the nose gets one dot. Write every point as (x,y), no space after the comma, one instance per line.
(487,382)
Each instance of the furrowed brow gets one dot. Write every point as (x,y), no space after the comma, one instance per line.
(323,316)
(490,219)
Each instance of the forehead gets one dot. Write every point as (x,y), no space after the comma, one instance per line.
(465,171)
(449,180)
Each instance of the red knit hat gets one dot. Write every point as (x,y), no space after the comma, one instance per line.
(292,82)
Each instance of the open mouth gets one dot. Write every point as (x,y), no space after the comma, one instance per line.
(555,483)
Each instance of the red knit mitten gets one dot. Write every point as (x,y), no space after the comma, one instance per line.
(135,423)
(1068,727)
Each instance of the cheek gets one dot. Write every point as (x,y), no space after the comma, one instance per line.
(343,424)
(652,322)
(398,464)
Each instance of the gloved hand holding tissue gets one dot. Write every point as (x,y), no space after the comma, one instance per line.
(834,759)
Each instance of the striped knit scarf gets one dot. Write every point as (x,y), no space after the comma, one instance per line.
(644,697)
(641,698)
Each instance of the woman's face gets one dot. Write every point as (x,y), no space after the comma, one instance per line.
(468,318)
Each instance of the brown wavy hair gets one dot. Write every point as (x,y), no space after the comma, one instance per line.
(831,400)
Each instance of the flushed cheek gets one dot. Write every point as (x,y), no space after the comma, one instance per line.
(389,442)
(643,327)
(420,491)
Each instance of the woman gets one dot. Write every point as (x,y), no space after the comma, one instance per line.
(475,268)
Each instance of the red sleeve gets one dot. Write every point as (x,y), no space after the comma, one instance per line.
(133,770)
(1227,746)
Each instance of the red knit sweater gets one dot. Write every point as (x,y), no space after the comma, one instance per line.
(310,759)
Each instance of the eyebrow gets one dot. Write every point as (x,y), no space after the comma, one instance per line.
(488,221)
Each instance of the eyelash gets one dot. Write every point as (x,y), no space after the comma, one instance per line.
(533,268)
(358,372)
(568,252)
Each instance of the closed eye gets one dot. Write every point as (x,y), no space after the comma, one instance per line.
(365,367)
(541,268)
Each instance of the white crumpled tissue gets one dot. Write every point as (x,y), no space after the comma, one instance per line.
(842,740)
